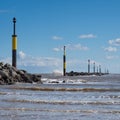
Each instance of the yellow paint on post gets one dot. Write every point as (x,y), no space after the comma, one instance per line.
(14,43)
(64,62)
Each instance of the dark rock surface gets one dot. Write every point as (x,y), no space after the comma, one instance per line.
(72,73)
(11,75)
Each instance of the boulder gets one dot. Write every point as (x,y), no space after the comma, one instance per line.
(3,74)
(36,78)
(10,75)
(1,63)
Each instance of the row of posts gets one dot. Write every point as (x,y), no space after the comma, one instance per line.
(98,71)
(14,53)
(94,70)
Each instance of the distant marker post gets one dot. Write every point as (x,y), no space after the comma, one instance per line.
(14,44)
(99,69)
(88,66)
(94,67)
(64,62)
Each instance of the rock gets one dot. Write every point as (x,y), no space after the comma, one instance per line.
(2,82)
(21,72)
(0,77)
(7,65)
(0,67)
(26,78)
(3,74)
(14,69)
(1,64)
(72,73)
(36,78)
(10,75)
(63,81)
(54,82)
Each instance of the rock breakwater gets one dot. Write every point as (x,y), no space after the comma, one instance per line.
(11,75)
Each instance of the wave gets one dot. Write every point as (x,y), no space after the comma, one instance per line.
(65,111)
(3,93)
(66,102)
(68,89)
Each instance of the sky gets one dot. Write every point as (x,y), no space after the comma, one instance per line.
(88,28)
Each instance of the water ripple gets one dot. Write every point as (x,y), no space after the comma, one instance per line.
(68,89)
(66,102)
(67,111)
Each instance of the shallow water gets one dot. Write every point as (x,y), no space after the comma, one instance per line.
(79,98)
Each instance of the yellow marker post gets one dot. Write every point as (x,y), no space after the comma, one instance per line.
(14,45)
(64,63)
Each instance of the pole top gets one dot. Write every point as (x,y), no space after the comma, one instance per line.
(14,20)
(64,48)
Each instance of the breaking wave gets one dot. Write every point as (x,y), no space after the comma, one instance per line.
(67,111)
(66,102)
(68,89)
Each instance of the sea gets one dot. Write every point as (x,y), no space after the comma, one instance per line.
(62,98)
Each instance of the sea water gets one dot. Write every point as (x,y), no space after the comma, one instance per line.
(62,98)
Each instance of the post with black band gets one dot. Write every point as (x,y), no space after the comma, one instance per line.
(64,63)
(14,45)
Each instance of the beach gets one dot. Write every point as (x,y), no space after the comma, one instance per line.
(79,98)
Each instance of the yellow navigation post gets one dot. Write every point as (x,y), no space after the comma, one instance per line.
(14,45)
(64,62)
